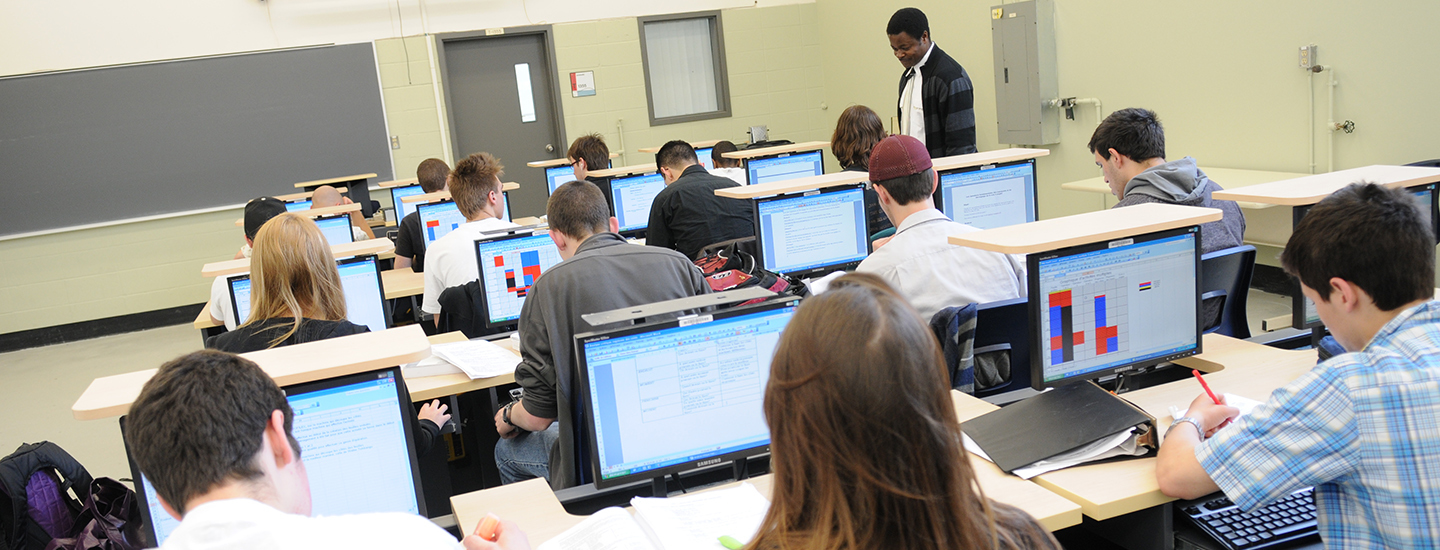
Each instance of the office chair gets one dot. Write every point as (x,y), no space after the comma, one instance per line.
(1432,163)
(1224,285)
(1002,346)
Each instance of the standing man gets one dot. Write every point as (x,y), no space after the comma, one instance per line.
(687,216)
(937,104)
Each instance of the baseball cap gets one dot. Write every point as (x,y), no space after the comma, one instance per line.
(897,157)
(259,211)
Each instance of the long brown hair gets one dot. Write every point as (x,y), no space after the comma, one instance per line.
(865,445)
(857,131)
(292,274)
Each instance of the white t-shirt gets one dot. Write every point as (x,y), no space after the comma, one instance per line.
(247,524)
(220,306)
(933,274)
(912,103)
(450,261)
(736,173)
(358,234)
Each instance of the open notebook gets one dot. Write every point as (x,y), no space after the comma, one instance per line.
(681,523)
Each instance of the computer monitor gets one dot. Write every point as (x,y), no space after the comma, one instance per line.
(785,166)
(438,219)
(336,228)
(704,156)
(509,266)
(678,395)
(559,175)
(813,233)
(359,278)
(403,208)
(989,196)
(298,205)
(632,197)
(1111,307)
(355,438)
(505,212)
(1303,314)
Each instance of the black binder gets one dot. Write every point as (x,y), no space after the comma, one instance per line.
(1060,420)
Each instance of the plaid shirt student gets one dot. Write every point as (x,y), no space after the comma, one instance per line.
(1363,428)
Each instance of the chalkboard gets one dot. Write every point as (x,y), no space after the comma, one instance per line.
(114,143)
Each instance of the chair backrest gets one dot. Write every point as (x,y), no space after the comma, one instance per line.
(1224,284)
(1002,336)
(1432,163)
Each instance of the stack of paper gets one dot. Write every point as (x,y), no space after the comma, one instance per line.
(476,358)
(682,523)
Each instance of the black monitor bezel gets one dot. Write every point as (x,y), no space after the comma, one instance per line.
(830,268)
(781,155)
(148,529)
(593,452)
(484,302)
(422,221)
(1037,340)
(939,196)
(385,309)
(396,200)
(318,219)
(615,210)
(1297,298)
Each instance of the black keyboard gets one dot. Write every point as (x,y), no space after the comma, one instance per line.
(1278,524)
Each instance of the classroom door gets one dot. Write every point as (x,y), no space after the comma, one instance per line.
(501,98)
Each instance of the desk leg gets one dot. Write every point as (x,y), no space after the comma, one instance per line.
(1151,528)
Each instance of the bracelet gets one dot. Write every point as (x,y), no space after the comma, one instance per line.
(1191,421)
(505,415)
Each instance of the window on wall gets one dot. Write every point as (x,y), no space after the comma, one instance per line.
(685,77)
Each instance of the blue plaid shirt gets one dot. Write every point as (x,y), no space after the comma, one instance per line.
(1363,428)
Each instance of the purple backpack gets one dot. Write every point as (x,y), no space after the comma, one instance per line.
(35,502)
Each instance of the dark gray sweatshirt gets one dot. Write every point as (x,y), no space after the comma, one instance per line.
(1181,182)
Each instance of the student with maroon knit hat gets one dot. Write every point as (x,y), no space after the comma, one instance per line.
(919,260)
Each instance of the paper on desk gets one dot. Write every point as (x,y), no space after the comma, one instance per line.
(429,366)
(819,286)
(478,358)
(698,521)
(1120,444)
(1245,404)
(608,529)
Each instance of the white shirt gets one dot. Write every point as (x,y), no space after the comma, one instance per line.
(358,234)
(933,274)
(912,103)
(245,524)
(220,306)
(736,173)
(450,261)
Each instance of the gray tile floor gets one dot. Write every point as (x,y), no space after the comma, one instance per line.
(40,384)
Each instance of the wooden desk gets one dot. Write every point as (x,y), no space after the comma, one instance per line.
(796,185)
(1090,227)
(625,170)
(402,282)
(203,320)
(1229,178)
(1108,490)
(342,250)
(987,157)
(1306,190)
(445,194)
(111,395)
(533,506)
(694,144)
(425,388)
(557,162)
(344,179)
(296,196)
(317,212)
(777,150)
(397,183)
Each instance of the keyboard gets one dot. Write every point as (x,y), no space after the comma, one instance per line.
(1278,524)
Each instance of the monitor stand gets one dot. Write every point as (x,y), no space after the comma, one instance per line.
(659,489)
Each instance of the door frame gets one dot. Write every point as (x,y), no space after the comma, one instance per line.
(547,36)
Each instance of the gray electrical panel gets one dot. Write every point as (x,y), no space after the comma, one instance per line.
(1024,38)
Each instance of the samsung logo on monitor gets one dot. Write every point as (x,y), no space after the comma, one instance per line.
(704,463)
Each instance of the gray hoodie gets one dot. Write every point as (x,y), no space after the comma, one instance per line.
(1181,182)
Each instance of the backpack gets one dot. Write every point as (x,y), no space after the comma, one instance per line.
(35,502)
(728,266)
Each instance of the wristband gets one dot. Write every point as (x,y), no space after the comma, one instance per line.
(505,415)
(1191,421)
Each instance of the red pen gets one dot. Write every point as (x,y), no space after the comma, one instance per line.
(1206,386)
